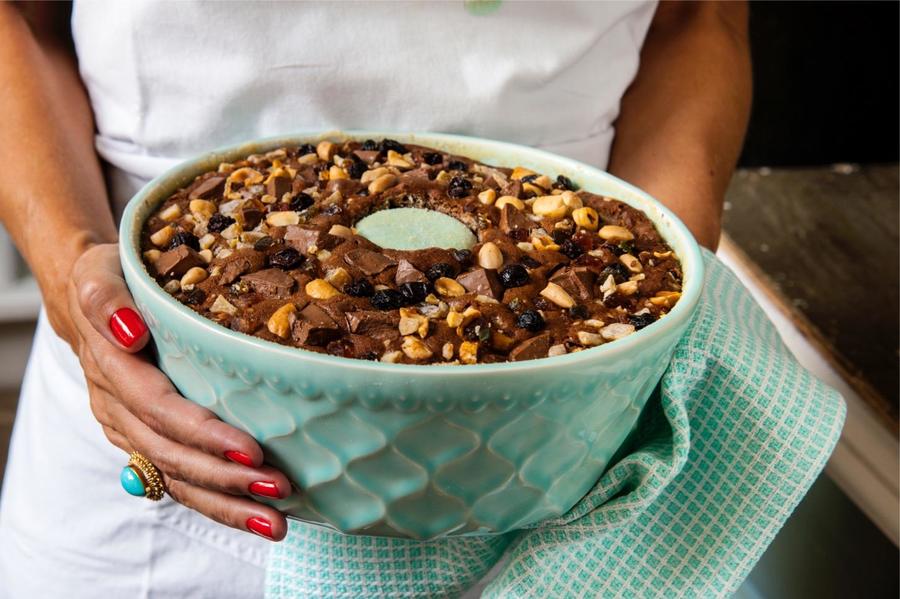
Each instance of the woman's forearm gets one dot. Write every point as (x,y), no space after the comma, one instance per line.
(683,119)
(52,196)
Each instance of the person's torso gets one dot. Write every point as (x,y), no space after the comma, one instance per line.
(170,80)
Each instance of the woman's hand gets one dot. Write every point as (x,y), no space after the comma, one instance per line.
(206,464)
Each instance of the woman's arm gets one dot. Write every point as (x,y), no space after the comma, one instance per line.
(54,204)
(682,121)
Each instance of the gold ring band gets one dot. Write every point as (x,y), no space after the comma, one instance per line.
(149,474)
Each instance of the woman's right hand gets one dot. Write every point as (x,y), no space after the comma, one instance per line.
(206,464)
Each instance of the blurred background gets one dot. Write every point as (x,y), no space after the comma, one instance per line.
(811,226)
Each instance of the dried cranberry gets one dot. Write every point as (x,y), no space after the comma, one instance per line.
(514,275)
(464,257)
(579,312)
(185,238)
(392,144)
(457,165)
(641,320)
(218,222)
(306,149)
(286,259)
(432,158)
(359,288)
(301,202)
(387,299)
(566,183)
(619,273)
(369,145)
(570,249)
(530,320)
(438,270)
(194,297)
(414,292)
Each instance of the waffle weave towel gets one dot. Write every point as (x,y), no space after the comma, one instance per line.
(734,436)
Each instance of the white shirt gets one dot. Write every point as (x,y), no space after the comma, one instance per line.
(170,80)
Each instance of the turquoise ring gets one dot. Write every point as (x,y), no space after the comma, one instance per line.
(141,478)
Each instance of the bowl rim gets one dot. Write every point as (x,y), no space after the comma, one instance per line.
(160,187)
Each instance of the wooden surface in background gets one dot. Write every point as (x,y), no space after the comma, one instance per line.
(827,240)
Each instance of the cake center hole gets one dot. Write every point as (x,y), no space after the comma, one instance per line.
(415,229)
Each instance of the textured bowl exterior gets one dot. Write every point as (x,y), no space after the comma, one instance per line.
(418,451)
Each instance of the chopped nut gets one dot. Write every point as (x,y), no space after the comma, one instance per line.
(662,255)
(468,352)
(519,172)
(484,299)
(533,189)
(171,213)
(616,330)
(468,315)
(207,241)
(589,339)
(320,289)
(490,256)
(391,357)
(558,295)
(615,234)
(487,197)
(572,201)
(222,306)
(371,175)
(448,287)
(172,286)
(152,256)
(413,322)
(193,276)
(382,183)
(396,159)
(666,299)
(245,175)
(509,201)
(283,218)
(594,323)
(443,177)
(557,350)
(279,323)
(162,237)
(586,217)
(415,349)
(338,277)
(608,287)
(308,159)
(627,288)
(525,246)
(544,242)
(206,255)
(336,172)
(454,319)
(326,150)
(631,263)
(203,209)
(341,231)
(500,341)
(549,206)
(447,351)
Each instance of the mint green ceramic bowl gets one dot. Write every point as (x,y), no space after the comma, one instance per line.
(418,451)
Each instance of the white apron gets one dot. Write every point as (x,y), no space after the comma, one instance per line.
(167,81)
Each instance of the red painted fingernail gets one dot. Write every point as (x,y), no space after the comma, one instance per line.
(266,488)
(127,326)
(260,526)
(239,457)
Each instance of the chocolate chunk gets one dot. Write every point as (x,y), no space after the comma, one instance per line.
(252,211)
(314,327)
(178,261)
(512,188)
(365,347)
(578,281)
(278,186)
(482,282)
(367,156)
(530,349)
(407,273)
(302,238)
(272,282)
(239,263)
(208,188)
(368,321)
(511,219)
(371,263)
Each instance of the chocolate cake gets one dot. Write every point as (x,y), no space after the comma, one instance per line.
(266,246)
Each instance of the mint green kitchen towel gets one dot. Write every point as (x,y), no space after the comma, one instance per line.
(735,434)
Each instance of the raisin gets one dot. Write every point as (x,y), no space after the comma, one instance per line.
(619,273)
(392,144)
(286,259)
(464,257)
(414,292)
(332,209)
(514,275)
(301,202)
(475,330)
(570,249)
(519,234)
(306,149)
(641,320)
(359,288)
(194,297)
(528,178)
(579,312)
(438,270)
(369,145)
(387,299)
(432,158)
(530,320)
(459,187)
(529,262)
(457,165)
(357,168)
(566,183)
(263,243)
(560,236)
(219,222)
(185,238)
